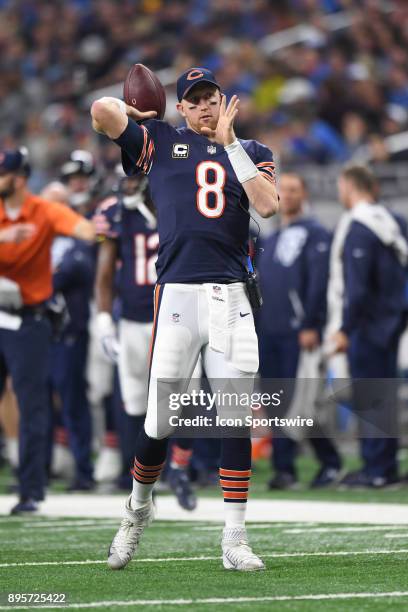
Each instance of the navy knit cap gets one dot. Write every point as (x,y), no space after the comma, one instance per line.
(191,77)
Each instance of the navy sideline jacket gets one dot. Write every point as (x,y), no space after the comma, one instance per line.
(375,285)
(293,267)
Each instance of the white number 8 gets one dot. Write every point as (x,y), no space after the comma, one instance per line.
(216,187)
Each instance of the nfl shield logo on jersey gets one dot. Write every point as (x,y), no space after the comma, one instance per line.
(211,149)
(175,317)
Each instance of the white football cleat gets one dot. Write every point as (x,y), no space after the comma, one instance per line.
(126,540)
(236,552)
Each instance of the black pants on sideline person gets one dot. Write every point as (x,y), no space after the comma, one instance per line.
(279,357)
(370,361)
(24,355)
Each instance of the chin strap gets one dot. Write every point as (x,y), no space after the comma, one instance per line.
(134,202)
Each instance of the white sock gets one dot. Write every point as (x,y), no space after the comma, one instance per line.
(144,479)
(141,494)
(234,515)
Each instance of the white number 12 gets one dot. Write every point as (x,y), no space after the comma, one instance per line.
(145,269)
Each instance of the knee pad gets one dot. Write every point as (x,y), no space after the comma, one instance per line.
(157,425)
(171,368)
(134,395)
(154,432)
(133,388)
(171,352)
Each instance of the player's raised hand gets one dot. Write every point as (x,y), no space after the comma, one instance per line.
(224,132)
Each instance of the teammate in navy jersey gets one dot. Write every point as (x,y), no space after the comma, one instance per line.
(202,179)
(128,224)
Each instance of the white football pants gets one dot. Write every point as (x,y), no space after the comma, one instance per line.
(133,364)
(211,320)
(99,371)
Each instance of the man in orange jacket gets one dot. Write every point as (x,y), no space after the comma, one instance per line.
(28,225)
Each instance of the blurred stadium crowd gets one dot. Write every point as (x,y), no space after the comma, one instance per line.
(319,80)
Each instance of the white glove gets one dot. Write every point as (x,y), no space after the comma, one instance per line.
(106,334)
(10,294)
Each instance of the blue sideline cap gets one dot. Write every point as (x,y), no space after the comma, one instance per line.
(191,77)
(14,161)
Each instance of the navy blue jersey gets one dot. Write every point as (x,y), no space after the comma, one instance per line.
(202,208)
(293,268)
(137,241)
(73,277)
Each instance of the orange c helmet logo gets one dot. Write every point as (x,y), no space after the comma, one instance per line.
(194,74)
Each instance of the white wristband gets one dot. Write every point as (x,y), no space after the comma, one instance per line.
(241,163)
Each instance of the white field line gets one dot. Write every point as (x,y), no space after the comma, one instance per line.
(216,600)
(310,529)
(209,510)
(72,527)
(106,524)
(103,524)
(338,553)
(80,528)
(259,526)
(396,535)
(39,523)
(344,529)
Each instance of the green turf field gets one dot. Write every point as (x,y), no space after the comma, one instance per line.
(301,560)
(309,567)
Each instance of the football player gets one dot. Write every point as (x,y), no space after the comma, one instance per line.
(129,227)
(202,179)
(79,174)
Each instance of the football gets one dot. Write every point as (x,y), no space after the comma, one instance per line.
(143,90)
